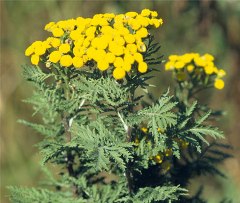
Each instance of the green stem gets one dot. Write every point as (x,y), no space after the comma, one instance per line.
(128,171)
(66,124)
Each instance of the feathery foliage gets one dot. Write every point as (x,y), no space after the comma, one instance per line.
(112,146)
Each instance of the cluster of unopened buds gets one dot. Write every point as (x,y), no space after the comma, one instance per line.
(197,67)
(162,158)
(112,42)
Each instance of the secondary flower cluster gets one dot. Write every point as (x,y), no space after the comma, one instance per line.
(196,67)
(111,41)
(162,158)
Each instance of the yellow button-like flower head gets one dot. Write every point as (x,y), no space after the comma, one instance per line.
(129,38)
(221,73)
(138,57)
(179,64)
(66,60)
(131,14)
(57,32)
(110,57)
(190,68)
(29,51)
(128,58)
(119,73)
(146,12)
(169,65)
(115,49)
(55,42)
(142,33)
(77,62)
(219,84)
(64,48)
(103,65)
(132,48)
(49,26)
(35,59)
(55,56)
(40,49)
(142,67)
(118,62)
(158,158)
(208,70)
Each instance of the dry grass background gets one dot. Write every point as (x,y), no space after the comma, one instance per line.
(189,26)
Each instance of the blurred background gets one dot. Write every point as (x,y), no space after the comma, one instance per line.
(189,26)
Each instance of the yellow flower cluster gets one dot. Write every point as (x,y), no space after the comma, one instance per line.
(111,41)
(192,64)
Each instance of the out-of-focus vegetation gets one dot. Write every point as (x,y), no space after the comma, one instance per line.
(189,26)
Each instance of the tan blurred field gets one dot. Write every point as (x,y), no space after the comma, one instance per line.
(189,26)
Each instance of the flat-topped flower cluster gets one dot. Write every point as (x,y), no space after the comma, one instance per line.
(195,66)
(114,42)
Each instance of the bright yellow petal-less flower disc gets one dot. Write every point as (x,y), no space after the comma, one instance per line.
(219,84)
(66,60)
(35,59)
(119,73)
(142,67)
(77,62)
(64,48)
(55,56)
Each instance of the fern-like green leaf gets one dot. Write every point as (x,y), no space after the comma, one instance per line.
(101,145)
(30,195)
(149,194)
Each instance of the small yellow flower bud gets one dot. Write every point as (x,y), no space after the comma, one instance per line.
(136,141)
(166,166)
(181,76)
(168,152)
(221,73)
(158,158)
(219,84)
(141,47)
(190,68)
(144,129)
(184,144)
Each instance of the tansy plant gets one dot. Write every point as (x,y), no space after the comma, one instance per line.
(109,143)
